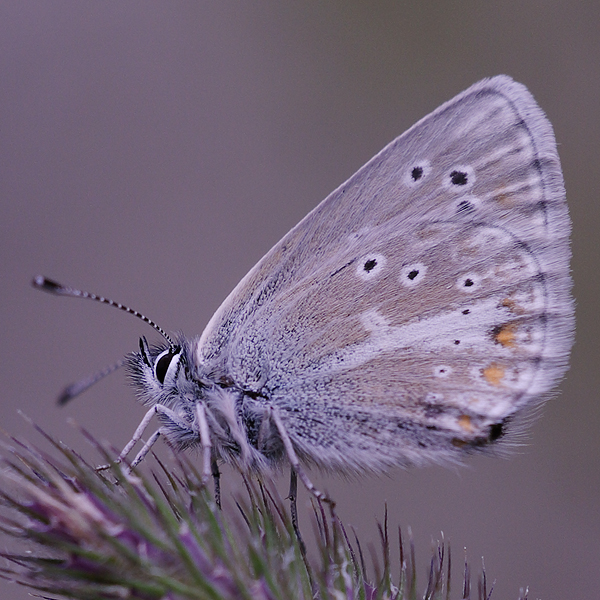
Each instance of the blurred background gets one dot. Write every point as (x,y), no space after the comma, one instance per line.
(153,151)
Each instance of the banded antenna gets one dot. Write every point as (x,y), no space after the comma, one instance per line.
(52,287)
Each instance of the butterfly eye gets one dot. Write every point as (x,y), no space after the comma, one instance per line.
(166,362)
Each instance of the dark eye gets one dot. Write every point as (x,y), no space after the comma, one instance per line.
(164,362)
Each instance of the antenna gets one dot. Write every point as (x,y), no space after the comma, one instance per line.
(52,287)
(73,390)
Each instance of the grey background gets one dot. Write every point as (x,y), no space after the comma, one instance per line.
(153,151)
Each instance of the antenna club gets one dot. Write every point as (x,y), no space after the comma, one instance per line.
(48,285)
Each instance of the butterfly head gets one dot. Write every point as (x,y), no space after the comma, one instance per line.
(161,373)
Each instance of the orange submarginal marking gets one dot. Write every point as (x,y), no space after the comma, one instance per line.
(494,374)
(464,421)
(509,303)
(505,335)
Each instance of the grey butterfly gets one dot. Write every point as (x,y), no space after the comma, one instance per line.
(417,314)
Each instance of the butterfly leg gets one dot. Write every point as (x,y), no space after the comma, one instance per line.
(141,455)
(205,443)
(139,432)
(295,461)
(137,436)
(293,495)
(209,464)
(174,418)
(216,474)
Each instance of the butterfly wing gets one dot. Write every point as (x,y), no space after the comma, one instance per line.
(421,306)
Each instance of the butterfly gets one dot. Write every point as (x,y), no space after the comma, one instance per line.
(418,314)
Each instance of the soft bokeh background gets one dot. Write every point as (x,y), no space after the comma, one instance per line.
(154,151)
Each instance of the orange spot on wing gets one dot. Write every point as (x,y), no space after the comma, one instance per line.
(465,422)
(508,303)
(494,374)
(512,305)
(505,335)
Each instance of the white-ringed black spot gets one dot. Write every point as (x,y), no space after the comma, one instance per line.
(464,206)
(468,283)
(370,266)
(412,274)
(467,205)
(459,178)
(456,342)
(442,371)
(417,172)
